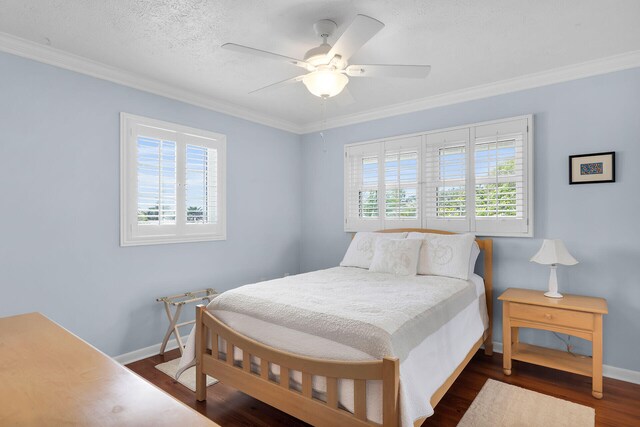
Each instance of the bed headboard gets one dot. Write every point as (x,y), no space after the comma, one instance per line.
(486,247)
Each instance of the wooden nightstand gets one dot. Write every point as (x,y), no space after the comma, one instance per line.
(573,315)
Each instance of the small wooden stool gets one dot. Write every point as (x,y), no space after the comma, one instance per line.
(178,301)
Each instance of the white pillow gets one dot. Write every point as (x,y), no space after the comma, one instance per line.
(399,256)
(362,246)
(445,254)
(475,253)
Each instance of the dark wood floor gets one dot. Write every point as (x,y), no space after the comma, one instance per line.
(229,407)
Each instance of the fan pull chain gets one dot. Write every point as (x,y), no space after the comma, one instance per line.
(323,123)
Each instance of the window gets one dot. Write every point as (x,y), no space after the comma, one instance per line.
(362,182)
(500,175)
(172,183)
(445,188)
(475,178)
(383,184)
(401,182)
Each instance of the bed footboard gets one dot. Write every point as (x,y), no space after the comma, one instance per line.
(301,404)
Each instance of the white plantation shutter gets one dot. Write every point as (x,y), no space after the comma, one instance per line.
(155,200)
(200,186)
(476,178)
(500,177)
(363,197)
(156,164)
(401,183)
(445,165)
(172,183)
(203,186)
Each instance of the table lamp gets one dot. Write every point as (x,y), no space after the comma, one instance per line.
(553,252)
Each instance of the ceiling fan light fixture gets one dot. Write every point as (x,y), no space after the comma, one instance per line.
(325,83)
(327,66)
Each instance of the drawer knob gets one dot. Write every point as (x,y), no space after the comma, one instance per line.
(547,316)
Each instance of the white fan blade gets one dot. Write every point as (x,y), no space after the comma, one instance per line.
(355,36)
(265,54)
(280,84)
(403,71)
(344,98)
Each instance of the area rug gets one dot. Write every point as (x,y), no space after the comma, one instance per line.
(187,379)
(501,405)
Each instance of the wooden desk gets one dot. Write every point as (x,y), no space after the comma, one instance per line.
(48,376)
(575,315)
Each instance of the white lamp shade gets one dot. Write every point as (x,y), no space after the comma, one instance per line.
(553,251)
(325,83)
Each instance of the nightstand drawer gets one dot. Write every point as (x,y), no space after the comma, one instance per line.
(552,316)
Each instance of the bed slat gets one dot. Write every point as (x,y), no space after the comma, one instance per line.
(230,353)
(306,384)
(264,368)
(284,377)
(214,346)
(360,399)
(246,361)
(332,392)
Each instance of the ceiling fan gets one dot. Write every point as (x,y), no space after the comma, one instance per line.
(327,66)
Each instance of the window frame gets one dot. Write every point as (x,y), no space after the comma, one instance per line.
(181,231)
(468,224)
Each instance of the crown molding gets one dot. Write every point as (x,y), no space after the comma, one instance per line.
(557,75)
(59,58)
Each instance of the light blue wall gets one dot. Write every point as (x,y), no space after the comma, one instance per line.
(59,207)
(59,203)
(598,222)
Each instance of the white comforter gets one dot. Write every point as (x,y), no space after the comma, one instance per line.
(374,303)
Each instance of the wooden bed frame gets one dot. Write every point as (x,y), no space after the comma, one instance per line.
(302,404)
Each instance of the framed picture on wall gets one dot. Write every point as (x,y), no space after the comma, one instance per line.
(592,168)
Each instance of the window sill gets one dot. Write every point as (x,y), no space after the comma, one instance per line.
(164,240)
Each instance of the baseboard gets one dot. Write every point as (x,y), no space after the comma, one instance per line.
(608,371)
(621,374)
(143,353)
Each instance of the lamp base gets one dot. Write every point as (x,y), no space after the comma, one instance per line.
(553,284)
(553,294)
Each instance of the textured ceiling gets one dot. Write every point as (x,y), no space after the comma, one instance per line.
(467,42)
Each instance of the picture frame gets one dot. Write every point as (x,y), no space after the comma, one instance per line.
(592,168)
